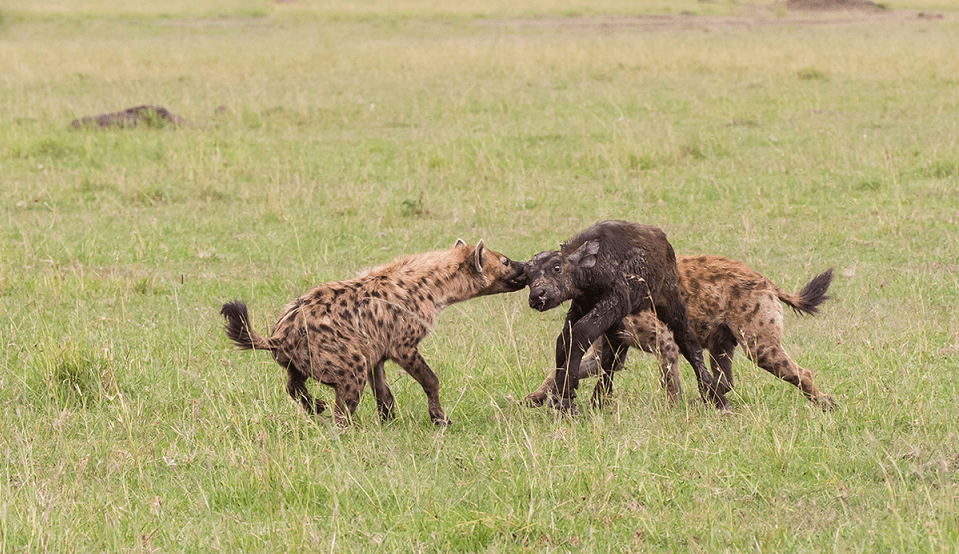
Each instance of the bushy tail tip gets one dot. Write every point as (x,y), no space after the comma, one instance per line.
(812,295)
(238,324)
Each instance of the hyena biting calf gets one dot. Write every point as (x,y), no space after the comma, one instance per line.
(342,333)
(609,271)
(728,304)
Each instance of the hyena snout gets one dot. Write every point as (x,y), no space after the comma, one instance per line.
(500,273)
(516,278)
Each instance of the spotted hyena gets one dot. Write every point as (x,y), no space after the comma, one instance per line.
(342,333)
(728,304)
(608,271)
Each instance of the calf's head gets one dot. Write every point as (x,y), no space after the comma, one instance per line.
(498,273)
(556,276)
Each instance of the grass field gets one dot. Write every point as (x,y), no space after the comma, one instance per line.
(324,138)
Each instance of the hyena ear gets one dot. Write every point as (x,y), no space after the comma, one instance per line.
(585,256)
(478,256)
(458,243)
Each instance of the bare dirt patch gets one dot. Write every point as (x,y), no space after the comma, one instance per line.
(780,14)
(833,5)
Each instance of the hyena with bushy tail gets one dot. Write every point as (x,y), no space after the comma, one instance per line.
(341,333)
(728,304)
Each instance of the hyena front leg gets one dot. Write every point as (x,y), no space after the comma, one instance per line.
(673,313)
(410,360)
(668,354)
(722,347)
(538,397)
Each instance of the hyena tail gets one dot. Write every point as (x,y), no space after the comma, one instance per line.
(239,330)
(811,296)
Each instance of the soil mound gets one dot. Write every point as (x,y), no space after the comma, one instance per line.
(149,116)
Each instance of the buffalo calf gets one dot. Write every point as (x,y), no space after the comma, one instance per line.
(611,270)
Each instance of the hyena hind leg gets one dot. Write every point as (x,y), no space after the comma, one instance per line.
(381,392)
(774,359)
(296,387)
(348,393)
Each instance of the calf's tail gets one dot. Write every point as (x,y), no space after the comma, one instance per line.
(239,330)
(811,296)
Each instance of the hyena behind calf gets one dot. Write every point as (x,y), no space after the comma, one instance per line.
(728,304)
(609,271)
(341,333)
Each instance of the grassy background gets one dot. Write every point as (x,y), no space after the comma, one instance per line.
(351,135)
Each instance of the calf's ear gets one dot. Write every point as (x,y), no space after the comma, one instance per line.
(585,256)
(478,256)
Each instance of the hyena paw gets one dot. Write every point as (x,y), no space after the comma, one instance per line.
(535,399)
(824,401)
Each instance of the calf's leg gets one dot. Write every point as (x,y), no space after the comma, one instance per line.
(578,335)
(611,360)
(588,367)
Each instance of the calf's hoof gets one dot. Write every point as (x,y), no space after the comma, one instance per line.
(723,406)
(721,403)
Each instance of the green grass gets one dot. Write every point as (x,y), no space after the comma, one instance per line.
(350,137)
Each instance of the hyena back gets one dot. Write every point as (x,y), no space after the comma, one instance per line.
(341,333)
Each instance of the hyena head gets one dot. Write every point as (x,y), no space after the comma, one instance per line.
(496,272)
(556,276)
